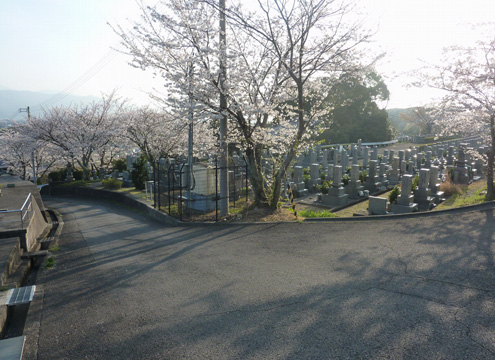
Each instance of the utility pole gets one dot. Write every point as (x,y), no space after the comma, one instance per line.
(32,153)
(190,138)
(224,180)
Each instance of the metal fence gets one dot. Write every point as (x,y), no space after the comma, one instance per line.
(10,219)
(171,191)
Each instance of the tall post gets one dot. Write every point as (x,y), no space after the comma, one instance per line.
(224,180)
(32,153)
(190,140)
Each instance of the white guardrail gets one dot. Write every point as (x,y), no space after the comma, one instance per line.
(22,215)
(382,143)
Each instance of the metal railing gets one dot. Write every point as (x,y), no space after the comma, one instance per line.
(23,216)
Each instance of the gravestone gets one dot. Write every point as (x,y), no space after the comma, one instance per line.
(385,156)
(461,175)
(312,156)
(391,156)
(314,173)
(336,194)
(354,154)
(428,159)
(401,156)
(365,157)
(435,185)
(374,153)
(419,160)
(422,192)
(330,172)
(324,159)
(377,206)
(394,173)
(383,176)
(404,203)
(372,184)
(336,158)
(298,185)
(403,167)
(344,159)
(407,155)
(354,187)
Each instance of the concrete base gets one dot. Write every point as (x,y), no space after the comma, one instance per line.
(300,193)
(438,196)
(353,190)
(335,197)
(403,209)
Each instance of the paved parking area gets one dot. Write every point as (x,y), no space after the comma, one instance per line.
(124,287)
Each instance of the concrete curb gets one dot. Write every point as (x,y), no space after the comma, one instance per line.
(35,313)
(478,207)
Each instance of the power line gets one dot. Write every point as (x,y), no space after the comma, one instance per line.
(99,65)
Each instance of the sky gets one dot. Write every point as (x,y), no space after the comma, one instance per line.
(65,46)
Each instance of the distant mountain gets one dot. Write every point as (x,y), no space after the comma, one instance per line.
(12,100)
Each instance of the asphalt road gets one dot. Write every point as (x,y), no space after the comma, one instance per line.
(125,287)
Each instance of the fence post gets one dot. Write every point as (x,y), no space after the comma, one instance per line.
(159,188)
(168,183)
(234,186)
(179,203)
(247,196)
(154,185)
(216,189)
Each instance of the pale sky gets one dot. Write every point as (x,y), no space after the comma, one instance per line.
(64,45)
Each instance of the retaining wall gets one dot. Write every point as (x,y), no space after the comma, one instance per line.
(83,191)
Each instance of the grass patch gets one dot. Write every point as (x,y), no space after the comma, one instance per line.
(49,263)
(54,248)
(472,194)
(4,288)
(306,213)
(76,183)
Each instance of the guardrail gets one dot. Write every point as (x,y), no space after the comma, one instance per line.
(24,213)
(381,143)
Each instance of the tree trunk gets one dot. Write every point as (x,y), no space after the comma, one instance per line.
(256,176)
(490,164)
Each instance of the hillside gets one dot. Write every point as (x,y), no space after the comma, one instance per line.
(12,100)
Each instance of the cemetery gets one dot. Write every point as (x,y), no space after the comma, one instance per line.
(353,173)
(326,177)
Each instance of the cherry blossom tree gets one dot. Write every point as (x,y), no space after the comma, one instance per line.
(160,134)
(467,76)
(89,134)
(274,55)
(21,152)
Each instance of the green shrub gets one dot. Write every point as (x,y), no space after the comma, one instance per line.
(120,165)
(415,183)
(348,170)
(306,171)
(112,184)
(58,175)
(325,187)
(78,174)
(363,175)
(345,179)
(139,174)
(323,176)
(394,194)
(306,178)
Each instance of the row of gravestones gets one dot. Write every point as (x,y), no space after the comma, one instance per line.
(421,198)
(389,170)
